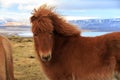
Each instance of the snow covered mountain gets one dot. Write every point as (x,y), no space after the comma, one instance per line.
(12,22)
(98,24)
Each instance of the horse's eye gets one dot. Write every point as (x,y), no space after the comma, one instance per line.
(35,34)
(51,33)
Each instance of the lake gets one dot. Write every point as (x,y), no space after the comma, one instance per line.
(93,34)
(87,34)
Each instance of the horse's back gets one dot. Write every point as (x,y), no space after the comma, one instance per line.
(6,62)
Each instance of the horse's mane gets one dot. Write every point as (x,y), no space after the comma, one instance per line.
(61,26)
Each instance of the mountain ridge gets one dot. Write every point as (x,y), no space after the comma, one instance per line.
(112,24)
(98,24)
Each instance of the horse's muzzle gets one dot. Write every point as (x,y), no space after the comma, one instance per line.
(46,58)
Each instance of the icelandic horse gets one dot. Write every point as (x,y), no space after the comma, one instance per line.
(66,55)
(6,60)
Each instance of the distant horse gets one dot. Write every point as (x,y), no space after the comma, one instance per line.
(66,55)
(6,62)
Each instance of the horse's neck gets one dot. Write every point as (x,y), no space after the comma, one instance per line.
(61,40)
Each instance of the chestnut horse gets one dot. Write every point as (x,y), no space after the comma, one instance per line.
(66,55)
(6,62)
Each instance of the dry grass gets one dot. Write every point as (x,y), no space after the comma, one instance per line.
(26,66)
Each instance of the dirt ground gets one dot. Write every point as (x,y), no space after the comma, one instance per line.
(26,65)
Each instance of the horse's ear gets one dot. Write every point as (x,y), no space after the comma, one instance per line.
(33,18)
(35,10)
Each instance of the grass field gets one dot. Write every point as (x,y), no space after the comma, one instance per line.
(26,65)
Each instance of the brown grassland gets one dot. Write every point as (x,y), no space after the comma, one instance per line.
(26,65)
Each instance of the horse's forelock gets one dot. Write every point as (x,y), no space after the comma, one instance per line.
(43,11)
(44,25)
(41,18)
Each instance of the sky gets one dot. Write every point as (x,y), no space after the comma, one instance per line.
(71,9)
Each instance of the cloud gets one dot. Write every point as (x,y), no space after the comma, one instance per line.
(79,17)
(89,4)
(20,9)
(26,4)
(23,8)
(62,4)
(8,3)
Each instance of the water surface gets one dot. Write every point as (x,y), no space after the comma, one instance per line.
(87,34)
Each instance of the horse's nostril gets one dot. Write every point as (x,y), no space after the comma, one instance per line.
(46,58)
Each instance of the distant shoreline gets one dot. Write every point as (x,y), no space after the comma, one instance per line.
(29,34)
